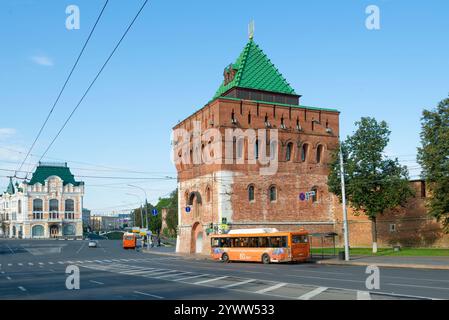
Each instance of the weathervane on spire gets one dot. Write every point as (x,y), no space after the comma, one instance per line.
(251,30)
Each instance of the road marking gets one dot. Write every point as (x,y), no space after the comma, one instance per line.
(161,272)
(170,275)
(192,277)
(41,263)
(9,264)
(22,288)
(10,249)
(9,278)
(210,280)
(134,272)
(50,262)
(150,295)
(363,295)
(31,264)
(88,261)
(313,293)
(70,262)
(20,264)
(80,262)
(276,286)
(60,262)
(97,282)
(238,283)
(416,286)
(81,248)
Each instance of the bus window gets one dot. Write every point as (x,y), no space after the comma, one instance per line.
(300,239)
(224,242)
(263,242)
(278,242)
(214,242)
(252,242)
(244,242)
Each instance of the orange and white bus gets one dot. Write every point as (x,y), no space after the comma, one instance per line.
(261,245)
(129,240)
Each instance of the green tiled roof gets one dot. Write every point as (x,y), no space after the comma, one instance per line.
(44,171)
(10,189)
(255,71)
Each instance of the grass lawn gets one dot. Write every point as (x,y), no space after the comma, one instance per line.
(421,252)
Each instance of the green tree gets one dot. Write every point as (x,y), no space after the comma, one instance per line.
(433,156)
(373,182)
(171,204)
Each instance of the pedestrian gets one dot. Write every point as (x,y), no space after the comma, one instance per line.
(158,241)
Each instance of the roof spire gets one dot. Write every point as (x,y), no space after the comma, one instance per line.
(251,29)
(10,189)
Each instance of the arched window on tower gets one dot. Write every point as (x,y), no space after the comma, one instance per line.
(208,194)
(304,151)
(273,193)
(288,153)
(319,153)
(315,195)
(251,193)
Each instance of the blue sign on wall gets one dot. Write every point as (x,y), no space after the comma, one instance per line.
(187,209)
(302,196)
(154,212)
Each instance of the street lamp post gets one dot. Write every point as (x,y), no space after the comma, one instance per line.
(345,215)
(146,212)
(146,203)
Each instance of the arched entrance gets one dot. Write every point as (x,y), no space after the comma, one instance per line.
(37,231)
(14,230)
(197,242)
(54,231)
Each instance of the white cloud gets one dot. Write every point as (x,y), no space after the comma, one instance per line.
(6,133)
(43,60)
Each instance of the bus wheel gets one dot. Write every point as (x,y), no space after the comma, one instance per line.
(265,258)
(225,257)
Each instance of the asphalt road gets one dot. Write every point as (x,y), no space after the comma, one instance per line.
(37,270)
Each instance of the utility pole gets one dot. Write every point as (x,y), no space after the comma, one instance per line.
(343,197)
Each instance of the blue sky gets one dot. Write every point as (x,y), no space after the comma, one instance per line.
(172,61)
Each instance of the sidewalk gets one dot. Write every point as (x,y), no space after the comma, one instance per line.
(433,263)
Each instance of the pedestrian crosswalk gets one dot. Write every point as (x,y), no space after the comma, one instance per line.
(62,262)
(255,286)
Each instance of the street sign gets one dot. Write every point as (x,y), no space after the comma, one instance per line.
(187,209)
(154,212)
(306,195)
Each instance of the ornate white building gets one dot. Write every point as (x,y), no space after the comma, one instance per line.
(48,206)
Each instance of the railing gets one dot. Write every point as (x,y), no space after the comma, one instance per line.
(53,216)
(69,215)
(38,215)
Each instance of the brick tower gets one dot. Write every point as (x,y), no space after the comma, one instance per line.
(223,181)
